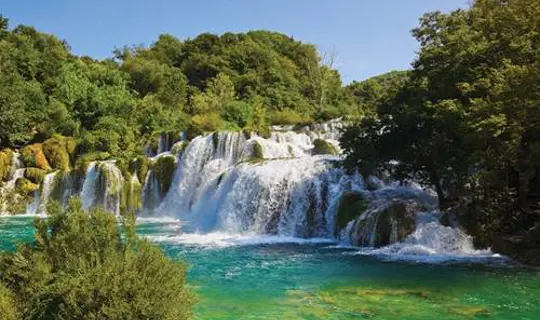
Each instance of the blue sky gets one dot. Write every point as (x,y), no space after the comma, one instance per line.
(369,37)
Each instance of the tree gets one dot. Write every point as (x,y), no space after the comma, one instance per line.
(467,120)
(81,267)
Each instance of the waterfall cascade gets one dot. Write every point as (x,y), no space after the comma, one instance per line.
(234,183)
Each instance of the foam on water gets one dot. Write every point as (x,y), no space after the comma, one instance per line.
(221,239)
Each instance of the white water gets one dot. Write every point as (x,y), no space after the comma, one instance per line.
(224,198)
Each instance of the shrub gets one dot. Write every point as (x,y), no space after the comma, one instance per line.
(8,310)
(287,117)
(33,156)
(35,175)
(6,157)
(81,267)
(238,112)
(207,122)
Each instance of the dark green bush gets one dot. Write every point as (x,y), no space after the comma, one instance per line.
(81,267)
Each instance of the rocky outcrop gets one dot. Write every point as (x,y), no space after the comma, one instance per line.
(384,225)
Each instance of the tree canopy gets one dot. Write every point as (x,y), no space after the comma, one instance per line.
(467,120)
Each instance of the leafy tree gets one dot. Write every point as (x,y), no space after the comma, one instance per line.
(467,121)
(81,267)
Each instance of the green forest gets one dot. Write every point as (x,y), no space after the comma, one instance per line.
(467,122)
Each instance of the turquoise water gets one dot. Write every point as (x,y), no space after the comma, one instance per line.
(250,277)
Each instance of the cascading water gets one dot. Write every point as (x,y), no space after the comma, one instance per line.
(102,186)
(232,184)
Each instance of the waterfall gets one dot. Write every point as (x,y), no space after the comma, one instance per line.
(242,184)
(102,186)
(44,195)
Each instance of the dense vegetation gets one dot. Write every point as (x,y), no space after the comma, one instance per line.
(82,265)
(233,81)
(467,120)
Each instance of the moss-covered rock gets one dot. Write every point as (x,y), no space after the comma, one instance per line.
(321,146)
(56,152)
(215,139)
(24,186)
(6,158)
(164,168)
(33,156)
(130,198)
(389,224)
(35,175)
(179,147)
(351,205)
(84,160)
(258,150)
(139,166)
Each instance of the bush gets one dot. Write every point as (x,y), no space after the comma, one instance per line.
(35,175)
(6,157)
(8,311)
(81,267)
(33,156)
(287,117)
(207,122)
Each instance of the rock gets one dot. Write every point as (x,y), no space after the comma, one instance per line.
(55,150)
(323,147)
(351,205)
(25,186)
(35,175)
(383,226)
(164,167)
(524,248)
(33,156)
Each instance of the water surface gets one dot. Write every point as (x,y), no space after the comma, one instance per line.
(264,277)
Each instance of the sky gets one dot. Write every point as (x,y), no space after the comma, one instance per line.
(368,37)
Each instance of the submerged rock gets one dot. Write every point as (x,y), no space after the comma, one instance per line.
(385,225)
(351,205)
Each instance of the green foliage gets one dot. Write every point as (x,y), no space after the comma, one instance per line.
(351,206)
(206,122)
(287,117)
(467,120)
(6,158)
(8,308)
(321,146)
(82,260)
(25,187)
(34,175)
(229,82)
